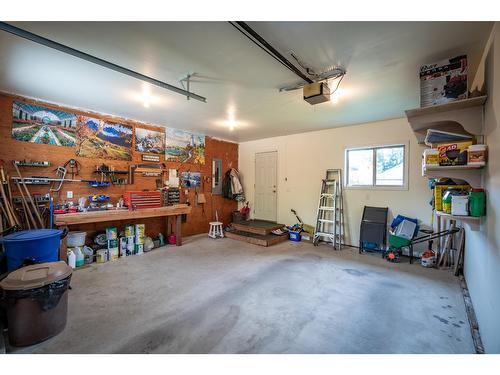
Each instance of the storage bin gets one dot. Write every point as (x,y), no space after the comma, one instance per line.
(460,205)
(294,236)
(406,229)
(35,246)
(37,302)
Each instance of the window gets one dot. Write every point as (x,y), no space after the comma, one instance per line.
(379,166)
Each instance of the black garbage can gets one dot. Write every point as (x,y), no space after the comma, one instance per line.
(37,302)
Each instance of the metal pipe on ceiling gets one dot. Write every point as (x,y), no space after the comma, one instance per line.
(96,60)
(270,49)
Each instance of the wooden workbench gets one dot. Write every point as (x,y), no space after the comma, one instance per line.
(66,220)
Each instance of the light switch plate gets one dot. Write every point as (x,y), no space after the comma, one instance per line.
(69,194)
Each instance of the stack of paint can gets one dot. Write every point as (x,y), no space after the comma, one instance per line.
(129,238)
(140,230)
(112,237)
(122,242)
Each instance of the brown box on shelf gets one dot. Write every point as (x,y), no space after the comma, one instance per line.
(453,153)
(444,81)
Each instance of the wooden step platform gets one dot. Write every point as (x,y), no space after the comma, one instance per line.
(261,227)
(256,239)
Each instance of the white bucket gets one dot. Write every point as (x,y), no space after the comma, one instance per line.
(76,239)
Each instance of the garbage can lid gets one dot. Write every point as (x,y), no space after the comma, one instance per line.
(34,234)
(36,276)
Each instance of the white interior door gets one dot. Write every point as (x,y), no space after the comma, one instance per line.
(266,191)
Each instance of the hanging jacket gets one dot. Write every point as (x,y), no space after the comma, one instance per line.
(236,186)
(226,186)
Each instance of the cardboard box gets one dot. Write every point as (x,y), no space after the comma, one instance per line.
(444,81)
(453,153)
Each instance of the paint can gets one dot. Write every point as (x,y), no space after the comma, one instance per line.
(138,249)
(112,244)
(130,245)
(123,246)
(129,230)
(102,256)
(172,239)
(113,254)
(111,233)
(140,230)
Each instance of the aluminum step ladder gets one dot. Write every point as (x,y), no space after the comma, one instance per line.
(330,217)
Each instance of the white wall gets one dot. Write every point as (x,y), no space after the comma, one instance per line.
(304,158)
(482,256)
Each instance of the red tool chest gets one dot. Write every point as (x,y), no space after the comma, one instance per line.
(142,199)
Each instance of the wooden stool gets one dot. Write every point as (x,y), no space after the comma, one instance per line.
(215,230)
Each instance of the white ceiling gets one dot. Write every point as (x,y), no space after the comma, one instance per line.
(382,61)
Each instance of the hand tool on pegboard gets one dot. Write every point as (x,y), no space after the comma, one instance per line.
(60,174)
(33,222)
(8,209)
(74,167)
(30,198)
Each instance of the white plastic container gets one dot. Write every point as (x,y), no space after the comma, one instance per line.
(88,255)
(76,239)
(102,256)
(476,155)
(71,259)
(80,260)
(460,205)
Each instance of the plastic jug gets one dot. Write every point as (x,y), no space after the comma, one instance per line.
(80,259)
(447,201)
(88,255)
(71,259)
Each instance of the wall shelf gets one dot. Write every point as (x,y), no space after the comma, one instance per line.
(453,167)
(458,217)
(471,174)
(473,222)
(463,116)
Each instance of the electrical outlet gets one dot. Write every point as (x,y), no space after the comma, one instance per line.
(69,194)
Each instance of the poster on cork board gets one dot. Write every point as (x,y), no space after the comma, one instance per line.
(183,146)
(37,124)
(103,140)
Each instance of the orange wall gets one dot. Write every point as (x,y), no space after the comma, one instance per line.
(197,222)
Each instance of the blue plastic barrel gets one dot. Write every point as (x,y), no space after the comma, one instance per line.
(38,246)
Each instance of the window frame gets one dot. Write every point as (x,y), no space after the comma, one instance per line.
(374,147)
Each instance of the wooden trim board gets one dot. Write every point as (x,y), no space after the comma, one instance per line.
(257,226)
(256,239)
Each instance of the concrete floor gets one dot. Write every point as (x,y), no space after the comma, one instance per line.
(225,296)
